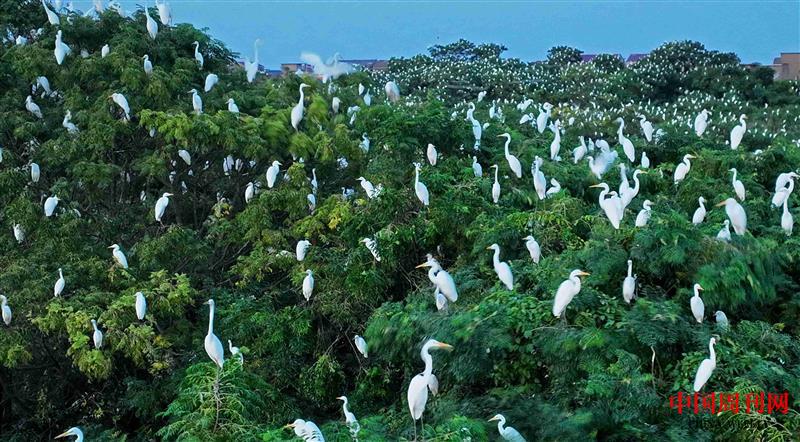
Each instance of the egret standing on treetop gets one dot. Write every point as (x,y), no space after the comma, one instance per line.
(509,434)
(612,206)
(696,303)
(627,145)
(738,187)
(197,102)
(787,221)
(629,284)
(567,291)
(152,26)
(197,55)
(148,65)
(308,284)
(61,49)
(701,122)
(706,367)
(502,268)
(212,343)
(361,345)
(5,309)
(737,133)
(33,107)
(683,168)
(736,214)
(60,283)
(97,336)
(50,205)
(644,215)
(477,170)
(700,213)
(297,110)
(539,181)
(496,185)
(122,102)
(161,205)
(272,173)
(251,67)
(350,419)
(533,248)
(141,306)
(306,430)
(442,279)
(418,388)
(513,162)
(232,107)
(419,187)
(119,257)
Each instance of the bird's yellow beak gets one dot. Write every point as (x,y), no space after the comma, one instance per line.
(691,156)
(595,185)
(288,426)
(64,434)
(424,264)
(700,288)
(584,273)
(444,346)
(494,419)
(488,248)
(720,204)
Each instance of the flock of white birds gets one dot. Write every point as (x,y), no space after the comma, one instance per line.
(598,154)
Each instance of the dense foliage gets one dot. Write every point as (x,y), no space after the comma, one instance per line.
(605,373)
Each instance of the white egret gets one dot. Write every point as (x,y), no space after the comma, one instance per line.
(706,367)
(314,184)
(364,142)
(97,336)
(249,192)
(647,128)
(33,107)
(251,67)
(496,185)
(119,257)
(148,65)
(368,187)
(60,283)
(50,205)
(418,388)
(350,418)
(629,284)
(567,291)
(141,306)
(432,154)
(612,206)
(783,180)
(699,213)
(533,248)
(579,152)
(61,49)
(272,173)
(6,310)
(683,168)
(68,124)
(696,303)
(74,431)
(52,17)
(627,145)
(35,172)
(737,133)
(787,221)
(44,83)
(301,248)
(235,351)
(738,187)
(644,215)
(122,102)
(502,268)
(197,102)
(211,80)
(419,187)
(645,162)
(306,430)
(539,181)
(336,102)
(782,194)
(372,246)
(19,233)
(624,185)
(555,145)
(392,91)
(367,98)
(554,189)
(477,129)
(361,345)
(308,284)
(332,69)
(198,56)
(164,12)
(631,192)
(185,156)
(513,162)
(232,107)
(736,214)
(104,51)
(724,233)
(152,26)
(212,343)
(161,205)
(297,110)
(701,122)
(477,169)
(722,319)
(544,114)
(509,434)
(441,279)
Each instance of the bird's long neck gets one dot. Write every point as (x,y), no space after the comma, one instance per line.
(791,187)
(495,174)
(577,282)
(636,182)
(702,204)
(630,268)
(603,194)
(496,257)
(344,407)
(508,141)
(211,320)
(734,175)
(94,326)
(711,353)
(426,357)
(302,96)
(416,176)
(500,424)
(786,205)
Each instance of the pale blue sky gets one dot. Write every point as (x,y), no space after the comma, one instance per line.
(756,30)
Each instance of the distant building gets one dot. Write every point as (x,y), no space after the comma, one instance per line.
(634,58)
(291,68)
(370,64)
(787,66)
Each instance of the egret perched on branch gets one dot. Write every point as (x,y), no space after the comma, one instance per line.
(372,246)
(61,49)
(579,152)
(701,122)
(197,102)
(647,128)
(161,205)
(52,17)
(509,434)
(627,145)
(513,162)
(737,133)
(141,306)
(272,173)
(308,284)
(104,51)
(644,215)
(432,154)
(722,319)
(567,291)
(539,181)
(371,191)
(418,388)
(333,69)
(361,345)
(496,185)
(544,114)
(419,187)
(502,268)
(235,351)
(683,168)
(306,430)
(350,419)
(119,257)
(738,187)
(97,336)
(152,26)
(164,12)
(68,124)
(696,303)
(232,107)
(612,206)
(477,169)
(555,145)
(724,233)
(6,310)
(441,278)
(700,213)
(706,367)
(533,248)
(74,431)
(787,220)
(301,248)
(122,102)
(185,156)
(251,67)
(60,283)
(782,192)
(212,343)
(211,80)
(629,284)
(477,129)
(50,205)
(19,233)
(148,65)
(35,173)
(33,107)
(392,91)
(630,193)
(197,55)
(297,110)
(736,214)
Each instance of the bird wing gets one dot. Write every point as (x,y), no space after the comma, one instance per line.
(703,373)
(312,59)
